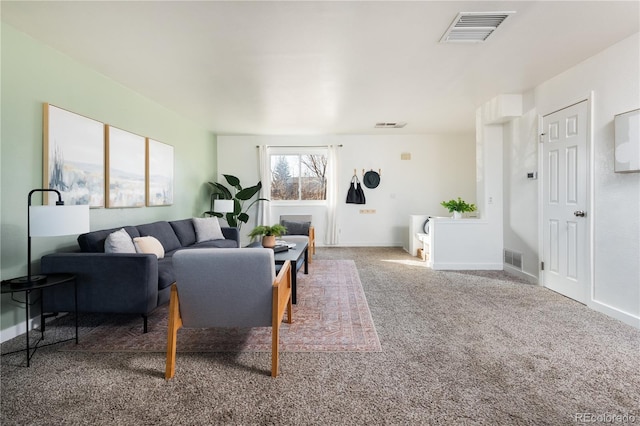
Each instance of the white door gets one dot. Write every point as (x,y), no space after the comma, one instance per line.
(565,218)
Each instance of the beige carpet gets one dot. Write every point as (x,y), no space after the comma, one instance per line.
(331,315)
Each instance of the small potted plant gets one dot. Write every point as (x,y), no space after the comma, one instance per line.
(457,207)
(269,234)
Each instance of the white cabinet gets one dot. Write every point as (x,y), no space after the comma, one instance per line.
(464,244)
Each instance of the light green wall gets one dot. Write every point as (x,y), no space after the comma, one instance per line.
(33,73)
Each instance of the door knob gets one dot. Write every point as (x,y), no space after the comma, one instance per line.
(580,213)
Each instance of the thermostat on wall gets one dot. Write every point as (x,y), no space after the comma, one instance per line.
(532,175)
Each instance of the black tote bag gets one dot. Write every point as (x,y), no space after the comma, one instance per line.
(355,195)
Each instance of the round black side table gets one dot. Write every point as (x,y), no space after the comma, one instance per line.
(18,285)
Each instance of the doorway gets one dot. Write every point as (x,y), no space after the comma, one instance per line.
(565,201)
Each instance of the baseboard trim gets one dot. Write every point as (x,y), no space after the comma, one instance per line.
(616,313)
(532,279)
(467,266)
(19,329)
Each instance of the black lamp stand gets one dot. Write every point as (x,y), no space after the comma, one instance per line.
(31,279)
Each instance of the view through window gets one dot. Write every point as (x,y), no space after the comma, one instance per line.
(298,177)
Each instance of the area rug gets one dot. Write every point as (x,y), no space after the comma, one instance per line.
(331,315)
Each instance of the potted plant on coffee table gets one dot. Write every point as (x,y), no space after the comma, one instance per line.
(457,207)
(269,234)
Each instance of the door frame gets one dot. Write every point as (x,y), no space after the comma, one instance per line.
(590,268)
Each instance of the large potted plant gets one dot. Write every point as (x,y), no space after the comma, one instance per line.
(240,195)
(457,207)
(269,234)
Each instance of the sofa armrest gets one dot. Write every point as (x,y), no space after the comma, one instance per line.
(122,283)
(231,234)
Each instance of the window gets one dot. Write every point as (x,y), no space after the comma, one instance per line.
(299,176)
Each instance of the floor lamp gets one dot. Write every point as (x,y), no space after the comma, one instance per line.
(223,206)
(51,221)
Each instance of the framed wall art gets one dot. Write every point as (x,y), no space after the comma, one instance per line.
(125,168)
(73,157)
(159,173)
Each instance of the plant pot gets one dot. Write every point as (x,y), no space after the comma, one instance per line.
(457,215)
(269,241)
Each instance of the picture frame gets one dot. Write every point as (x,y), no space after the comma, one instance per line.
(73,157)
(125,168)
(160,173)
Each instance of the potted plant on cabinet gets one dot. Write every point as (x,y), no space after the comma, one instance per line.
(269,234)
(457,207)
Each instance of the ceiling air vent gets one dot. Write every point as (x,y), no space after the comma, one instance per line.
(473,27)
(390,125)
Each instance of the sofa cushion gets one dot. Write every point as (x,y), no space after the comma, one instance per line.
(185,231)
(93,242)
(207,229)
(149,245)
(166,276)
(119,242)
(163,232)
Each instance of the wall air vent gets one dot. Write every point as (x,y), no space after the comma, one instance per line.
(474,27)
(513,258)
(390,125)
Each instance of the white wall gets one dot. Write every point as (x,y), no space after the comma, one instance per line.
(614,78)
(441,167)
(520,193)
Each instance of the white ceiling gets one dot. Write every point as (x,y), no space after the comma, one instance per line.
(322,67)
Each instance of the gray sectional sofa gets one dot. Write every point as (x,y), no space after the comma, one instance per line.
(134,283)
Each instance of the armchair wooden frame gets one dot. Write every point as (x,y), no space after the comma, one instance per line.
(312,243)
(281,300)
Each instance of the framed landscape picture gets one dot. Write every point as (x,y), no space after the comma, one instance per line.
(125,168)
(73,157)
(159,173)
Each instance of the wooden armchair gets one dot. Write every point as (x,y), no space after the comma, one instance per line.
(300,224)
(227,288)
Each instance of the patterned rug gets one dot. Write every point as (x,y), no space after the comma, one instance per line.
(331,315)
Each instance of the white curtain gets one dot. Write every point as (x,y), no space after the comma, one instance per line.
(331,235)
(265,178)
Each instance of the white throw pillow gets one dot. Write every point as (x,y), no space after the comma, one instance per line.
(207,229)
(119,242)
(149,245)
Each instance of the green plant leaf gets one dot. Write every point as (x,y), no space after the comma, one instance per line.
(243,217)
(247,193)
(218,188)
(216,214)
(231,220)
(233,181)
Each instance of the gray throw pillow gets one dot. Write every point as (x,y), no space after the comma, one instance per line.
(207,229)
(119,242)
(296,228)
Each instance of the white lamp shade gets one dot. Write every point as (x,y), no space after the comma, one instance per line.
(53,221)
(223,206)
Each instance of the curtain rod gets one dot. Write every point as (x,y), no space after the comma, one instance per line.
(299,146)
